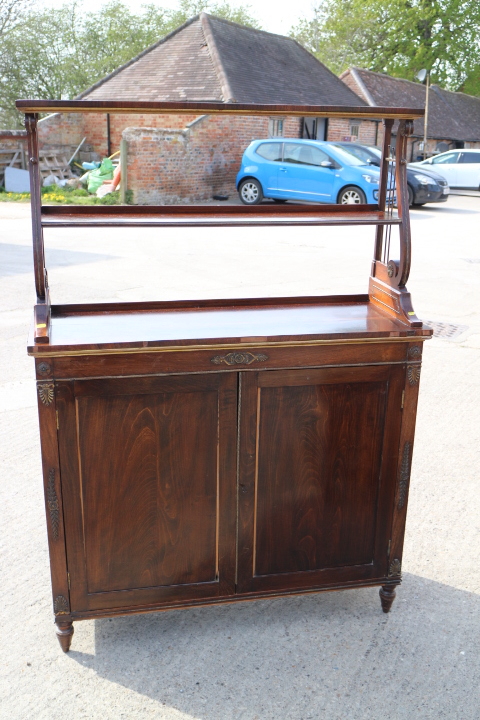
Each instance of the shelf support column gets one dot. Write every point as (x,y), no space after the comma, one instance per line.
(42,307)
(382,196)
(405,129)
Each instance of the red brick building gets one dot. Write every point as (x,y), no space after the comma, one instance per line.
(453,117)
(178,158)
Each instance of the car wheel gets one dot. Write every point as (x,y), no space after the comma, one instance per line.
(351,195)
(250,192)
(410,196)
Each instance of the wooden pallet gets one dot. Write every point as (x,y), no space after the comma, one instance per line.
(54,164)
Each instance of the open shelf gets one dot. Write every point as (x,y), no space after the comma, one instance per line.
(214,215)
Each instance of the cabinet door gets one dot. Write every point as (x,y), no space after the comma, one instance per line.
(148,469)
(318,452)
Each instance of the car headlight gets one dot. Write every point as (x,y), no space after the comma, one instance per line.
(423,179)
(371,179)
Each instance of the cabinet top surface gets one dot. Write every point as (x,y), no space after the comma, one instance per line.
(141,326)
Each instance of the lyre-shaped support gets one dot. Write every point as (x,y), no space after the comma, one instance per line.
(389,277)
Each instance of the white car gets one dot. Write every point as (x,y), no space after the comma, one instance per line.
(460,168)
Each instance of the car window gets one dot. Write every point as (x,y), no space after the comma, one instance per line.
(270,151)
(304,154)
(357,152)
(346,158)
(469,157)
(447,159)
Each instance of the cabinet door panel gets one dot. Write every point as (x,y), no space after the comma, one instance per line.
(317,447)
(150,469)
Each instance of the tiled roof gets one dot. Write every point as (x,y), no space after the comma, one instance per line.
(451,115)
(209,58)
(179,67)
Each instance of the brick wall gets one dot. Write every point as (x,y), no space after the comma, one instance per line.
(340,129)
(173,165)
(60,130)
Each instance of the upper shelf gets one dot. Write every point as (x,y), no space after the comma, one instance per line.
(211,108)
(213,215)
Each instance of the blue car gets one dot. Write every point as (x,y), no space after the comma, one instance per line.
(287,169)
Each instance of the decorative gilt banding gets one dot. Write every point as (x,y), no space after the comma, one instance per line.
(239,358)
(60,605)
(395,568)
(415,352)
(52,504)
(404,475)
(413,373)
(46,392)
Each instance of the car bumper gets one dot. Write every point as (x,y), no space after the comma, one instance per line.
(428,195)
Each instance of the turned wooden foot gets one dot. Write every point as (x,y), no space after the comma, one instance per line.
(64,634)
(387,596)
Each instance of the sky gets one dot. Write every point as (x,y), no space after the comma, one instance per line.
(276,16)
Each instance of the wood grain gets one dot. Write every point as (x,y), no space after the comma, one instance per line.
(214,108)
(153,476)
(315,483)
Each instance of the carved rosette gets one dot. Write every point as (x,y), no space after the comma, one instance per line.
(46,392)
(413,374)
(395,569)
(60,605)
(404,475)
(52,504)
(43,368)
(415,352)
(239,358)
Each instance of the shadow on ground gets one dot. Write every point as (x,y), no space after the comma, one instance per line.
(18,259)
(334,654)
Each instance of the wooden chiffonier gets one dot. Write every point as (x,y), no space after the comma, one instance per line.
(197,452)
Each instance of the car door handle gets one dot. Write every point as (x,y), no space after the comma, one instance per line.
(283,169)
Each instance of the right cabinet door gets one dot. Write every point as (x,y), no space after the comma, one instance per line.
(317,474)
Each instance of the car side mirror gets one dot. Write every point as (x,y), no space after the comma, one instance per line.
(326,163)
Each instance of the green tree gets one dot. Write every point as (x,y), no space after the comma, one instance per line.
(58,53)
(399,37)
(10,13)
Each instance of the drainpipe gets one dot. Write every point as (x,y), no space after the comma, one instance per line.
(109,140)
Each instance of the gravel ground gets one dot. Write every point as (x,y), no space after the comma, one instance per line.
(332,655)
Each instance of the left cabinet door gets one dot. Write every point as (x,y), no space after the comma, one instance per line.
(148,472)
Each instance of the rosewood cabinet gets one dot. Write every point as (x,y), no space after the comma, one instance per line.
(201,452)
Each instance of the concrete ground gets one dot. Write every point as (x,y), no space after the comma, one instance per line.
(334,655)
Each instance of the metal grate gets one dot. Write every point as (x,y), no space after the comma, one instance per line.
(445,330)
